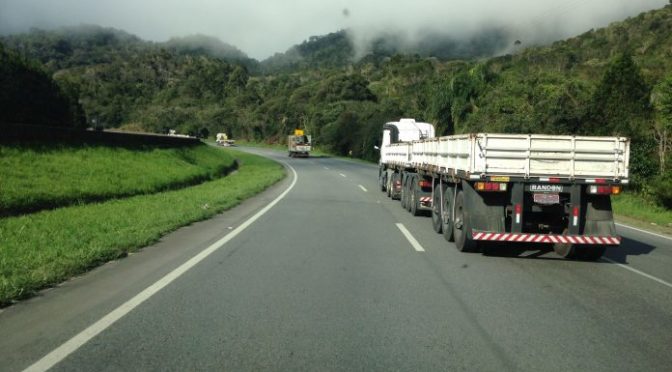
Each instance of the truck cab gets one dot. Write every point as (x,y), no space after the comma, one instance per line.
(404,130)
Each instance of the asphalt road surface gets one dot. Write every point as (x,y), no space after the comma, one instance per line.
(322,277)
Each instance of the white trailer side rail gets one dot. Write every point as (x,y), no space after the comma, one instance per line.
(516,155)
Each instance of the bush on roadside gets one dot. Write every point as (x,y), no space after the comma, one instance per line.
(661,189)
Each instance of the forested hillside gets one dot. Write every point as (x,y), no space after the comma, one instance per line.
(611,81)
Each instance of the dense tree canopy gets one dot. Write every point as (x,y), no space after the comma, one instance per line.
(30,96)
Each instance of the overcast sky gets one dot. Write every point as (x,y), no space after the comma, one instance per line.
(261,28)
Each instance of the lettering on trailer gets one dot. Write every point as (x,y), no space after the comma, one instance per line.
(546,188)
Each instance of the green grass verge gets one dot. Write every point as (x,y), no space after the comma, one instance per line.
(638,208)
(45,248)
(36,177)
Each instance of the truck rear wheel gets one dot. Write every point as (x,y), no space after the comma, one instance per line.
(437,220)
(415,201)
(590,252)
(580,252)
(462,227)
(447,217)
(409,192)
(392,188)
(402,196)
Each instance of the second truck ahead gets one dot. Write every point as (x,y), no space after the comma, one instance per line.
(299,144)
(494,189)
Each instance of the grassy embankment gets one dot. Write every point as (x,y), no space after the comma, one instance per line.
(44,248)
(36,177)
(635,210)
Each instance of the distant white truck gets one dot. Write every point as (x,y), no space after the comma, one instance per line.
(493,189)
(299,144)
(223,140)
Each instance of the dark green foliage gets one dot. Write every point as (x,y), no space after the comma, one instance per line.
(202,45)
(328,51)
(621,101)
(29,96)
(345,88)
(662,130)
(661,188)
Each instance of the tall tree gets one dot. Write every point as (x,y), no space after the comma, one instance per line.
(620,104)
(662,102)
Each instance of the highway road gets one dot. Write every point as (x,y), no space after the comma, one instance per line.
(323,272)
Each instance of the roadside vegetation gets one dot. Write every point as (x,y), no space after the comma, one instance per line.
(641,208)
(44,248)
(45,176)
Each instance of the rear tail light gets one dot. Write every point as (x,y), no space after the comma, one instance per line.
(604,190)
(425,184)
(490,186)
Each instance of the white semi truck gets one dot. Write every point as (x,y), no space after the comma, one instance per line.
(495,189)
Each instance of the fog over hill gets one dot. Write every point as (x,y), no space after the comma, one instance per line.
(264,27)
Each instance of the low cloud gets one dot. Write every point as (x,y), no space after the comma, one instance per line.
(261,28)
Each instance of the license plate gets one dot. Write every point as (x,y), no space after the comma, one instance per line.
(546,198)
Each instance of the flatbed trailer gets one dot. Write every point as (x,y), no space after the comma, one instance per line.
(490,190)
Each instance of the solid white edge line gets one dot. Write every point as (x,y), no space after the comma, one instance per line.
(410,238)
(644,231)
(96,328)
(363,188)
(342,175)
(661,281)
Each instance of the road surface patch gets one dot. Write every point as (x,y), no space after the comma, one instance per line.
(661,281)
(410,238)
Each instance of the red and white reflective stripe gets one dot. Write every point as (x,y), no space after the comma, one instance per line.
(425,199)
(542,238)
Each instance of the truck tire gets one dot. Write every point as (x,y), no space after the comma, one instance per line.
(590,252)
(447,218)
(402,196)
(462,227)
(579,251)
(396,177)
(415,201)
(405,189)
(437,220)
(409,194)
(388,188)
(382,180)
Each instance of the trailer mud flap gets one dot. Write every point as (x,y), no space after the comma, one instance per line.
(486,212)
(599,216)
